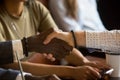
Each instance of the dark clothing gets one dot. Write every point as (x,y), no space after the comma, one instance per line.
(8,74)
(6,55)
(110,13)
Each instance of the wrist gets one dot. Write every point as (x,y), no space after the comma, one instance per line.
(74,42)
(70,71)
(25,46)
(71,41)
(84,61)
(81,38)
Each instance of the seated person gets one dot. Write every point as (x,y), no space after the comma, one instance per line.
(20,19)
(34,45)
(104,40)
(7,52)
(76,15)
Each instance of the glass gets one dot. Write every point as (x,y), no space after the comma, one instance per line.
(113,59)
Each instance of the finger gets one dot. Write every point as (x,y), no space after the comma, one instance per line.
(88,75)
(49,38)
(105,66)
(98,65)
(84,77)
(91,76)
(94,72)
(49,56)
(44,54)
(92,64)
(101,65)
(53,59)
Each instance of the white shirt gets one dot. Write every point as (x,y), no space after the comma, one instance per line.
(107,40)
(88,17)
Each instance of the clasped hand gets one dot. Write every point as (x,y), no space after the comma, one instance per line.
(58,48)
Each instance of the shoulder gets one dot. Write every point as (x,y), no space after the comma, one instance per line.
(34,4)
(36,7)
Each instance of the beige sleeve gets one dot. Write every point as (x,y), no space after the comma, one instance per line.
(1,37)
(46,21)
(1,33)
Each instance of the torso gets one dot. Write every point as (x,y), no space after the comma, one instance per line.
(29,23)
(16,28)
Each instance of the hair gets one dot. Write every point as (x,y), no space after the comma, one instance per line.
(72,8)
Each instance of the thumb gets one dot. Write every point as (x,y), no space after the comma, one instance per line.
(49,38)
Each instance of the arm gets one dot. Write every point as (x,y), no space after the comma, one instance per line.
(76,58)
(57,47)
(9,74)
(67,36)
(8,51)
(106,40)
(64,22)
(33,44)
(61,71)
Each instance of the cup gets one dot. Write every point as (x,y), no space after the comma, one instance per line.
(113,59)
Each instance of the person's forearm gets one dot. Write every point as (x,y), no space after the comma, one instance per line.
(76,58)
(81,38)
(43,69)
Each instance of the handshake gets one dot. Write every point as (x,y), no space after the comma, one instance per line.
(57,47)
